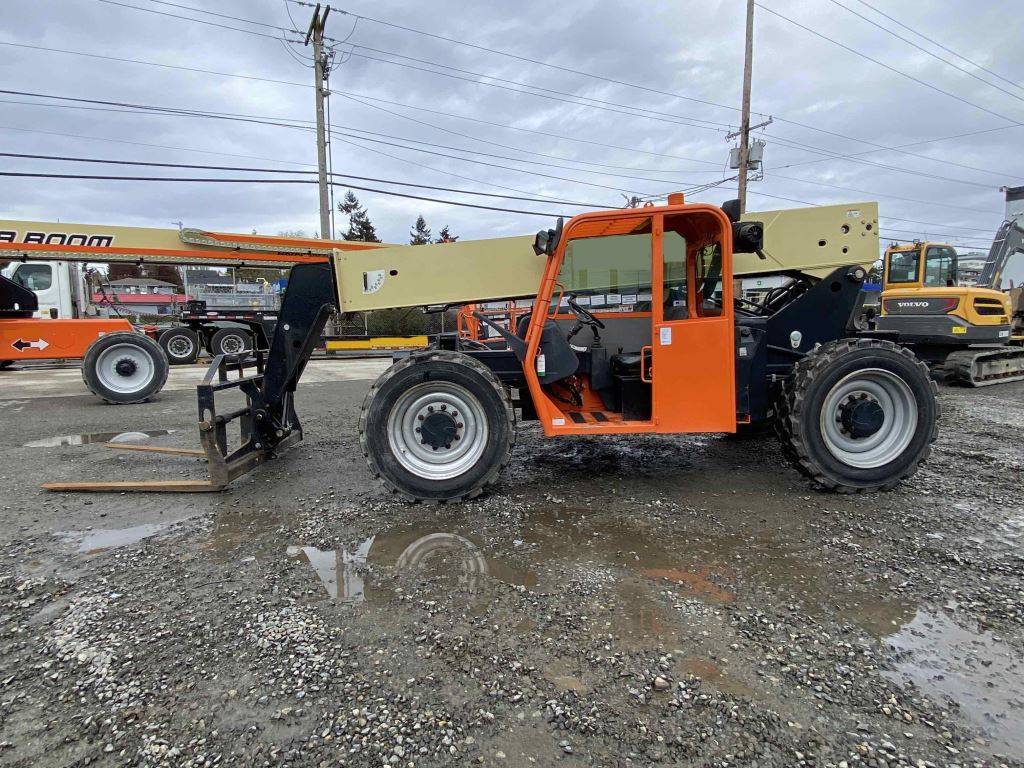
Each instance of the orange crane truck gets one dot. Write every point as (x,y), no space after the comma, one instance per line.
(854,411)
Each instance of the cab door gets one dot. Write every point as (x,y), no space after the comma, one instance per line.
(691,362)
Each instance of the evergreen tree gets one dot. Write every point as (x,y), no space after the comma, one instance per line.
(360,227)
(446,236)
(420,234)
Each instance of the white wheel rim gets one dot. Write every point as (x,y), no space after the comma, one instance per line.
(886,392)
(125,368)
(232,344)
(439,401)
(181,345)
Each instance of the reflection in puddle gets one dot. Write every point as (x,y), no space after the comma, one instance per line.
(90,542)
(974,669)
(325,564)
(96,437)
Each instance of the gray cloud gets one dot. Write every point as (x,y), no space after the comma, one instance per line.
(693,49)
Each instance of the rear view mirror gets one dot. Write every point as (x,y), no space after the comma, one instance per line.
(540,242)
(546,240)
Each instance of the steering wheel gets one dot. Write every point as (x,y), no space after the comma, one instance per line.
(583,315)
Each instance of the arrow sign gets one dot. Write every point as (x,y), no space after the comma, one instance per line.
(21,345)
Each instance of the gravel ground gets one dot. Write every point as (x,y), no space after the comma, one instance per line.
(631,601)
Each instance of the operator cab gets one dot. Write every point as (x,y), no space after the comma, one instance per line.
(632,329)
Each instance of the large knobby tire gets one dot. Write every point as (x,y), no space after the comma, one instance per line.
(437,426)
(858,415)
(181,345)
(124,367)
(234,342)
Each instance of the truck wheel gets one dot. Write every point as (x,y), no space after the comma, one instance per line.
(181,345)
(437,426)
(124,367)
(858,415)
(231,341)
(5,364)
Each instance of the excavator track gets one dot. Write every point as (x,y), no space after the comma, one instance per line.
(984,367)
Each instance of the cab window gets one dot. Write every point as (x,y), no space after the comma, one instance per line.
(940,266)
(709,280)
(610,273)
(903,266)
(674,276)
(35,277)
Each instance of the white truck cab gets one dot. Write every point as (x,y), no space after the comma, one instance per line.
(59,286)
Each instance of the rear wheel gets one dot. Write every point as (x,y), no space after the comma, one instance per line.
(124,367)
(858,415)
(181,345)
(437,426)
(5,364)
(231,341)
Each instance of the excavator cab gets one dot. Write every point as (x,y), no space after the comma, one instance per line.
(922,301)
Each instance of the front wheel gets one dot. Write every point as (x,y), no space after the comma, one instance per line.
(437,426)
(858,415)
(5,364)
(124,367)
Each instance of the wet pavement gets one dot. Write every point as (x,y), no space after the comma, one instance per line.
(647,600)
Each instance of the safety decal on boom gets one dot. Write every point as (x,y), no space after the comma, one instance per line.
(22,344)
(373,280)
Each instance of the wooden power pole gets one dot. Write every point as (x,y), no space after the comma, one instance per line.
(748,62)
(316,34)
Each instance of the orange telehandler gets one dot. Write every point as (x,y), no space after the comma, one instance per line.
(680,354)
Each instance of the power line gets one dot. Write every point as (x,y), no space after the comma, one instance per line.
(939,45)
(248,169)
(123,60)
(202,180)
(827,154)
(169,111)
(674,119)
(926,51)
(222,15)
(614,81)
(201,21)
(518,149)
(882,64)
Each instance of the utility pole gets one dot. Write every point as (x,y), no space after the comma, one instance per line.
(748,62)
(316,33)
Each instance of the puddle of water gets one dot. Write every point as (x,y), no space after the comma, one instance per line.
(980,673)
(93,542)
(95,437)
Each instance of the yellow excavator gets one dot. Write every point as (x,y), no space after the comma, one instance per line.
(967,331)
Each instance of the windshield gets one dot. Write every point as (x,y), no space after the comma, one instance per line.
(903,266)
(940,265)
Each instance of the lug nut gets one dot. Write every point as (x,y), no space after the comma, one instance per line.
(418,429)
(444,407)
(420,417)
(459,425)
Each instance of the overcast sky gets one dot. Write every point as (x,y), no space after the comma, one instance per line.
(690,49)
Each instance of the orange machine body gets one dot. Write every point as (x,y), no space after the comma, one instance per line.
(689,361)
(45,339)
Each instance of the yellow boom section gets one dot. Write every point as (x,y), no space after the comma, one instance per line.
(813,241)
